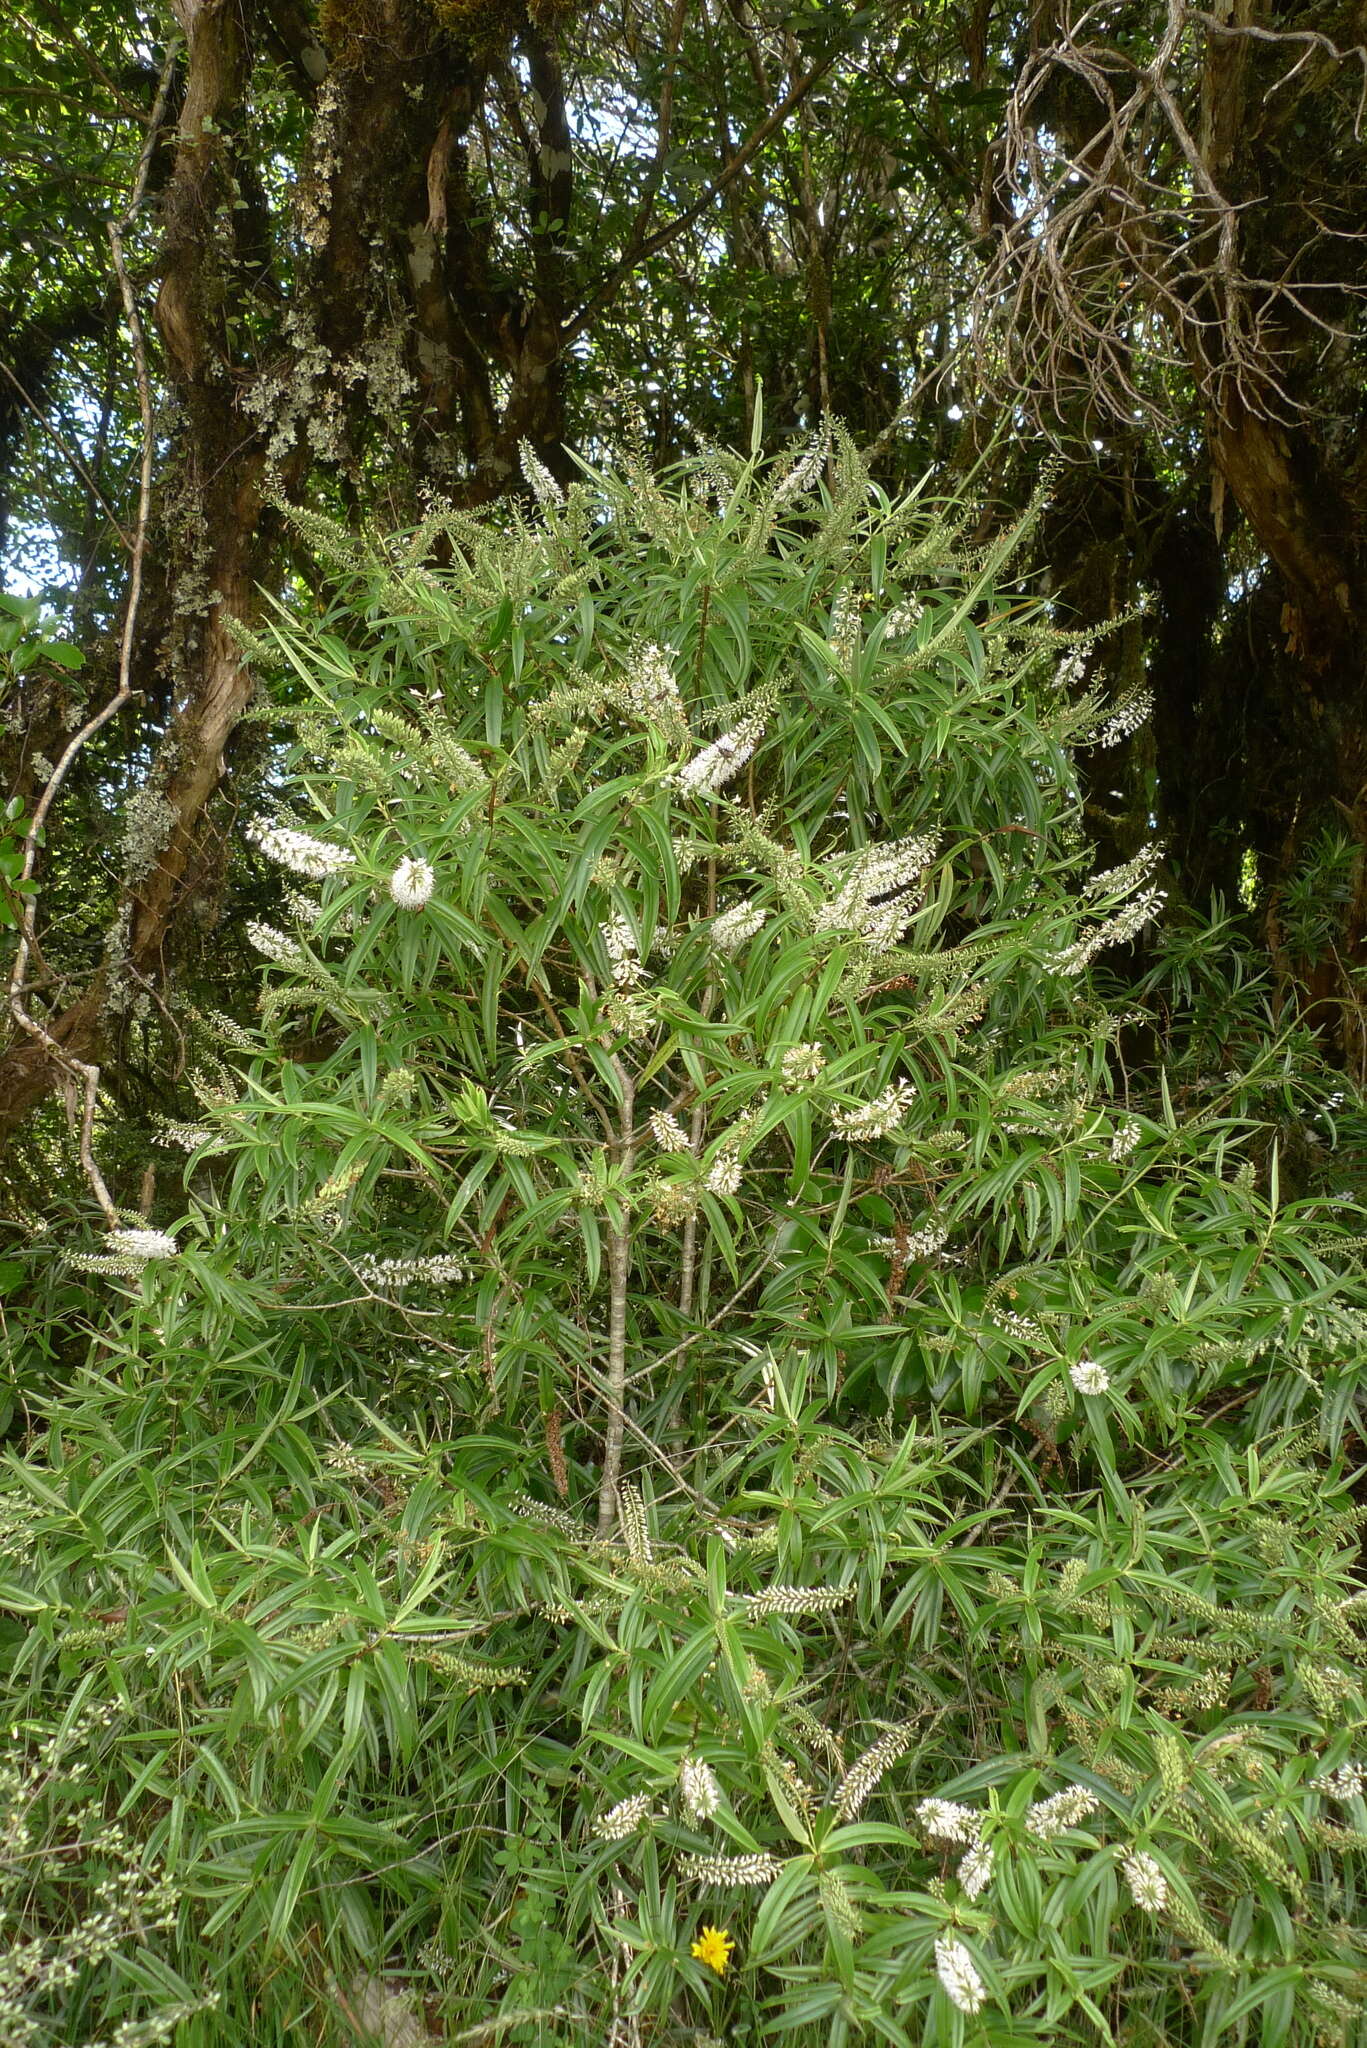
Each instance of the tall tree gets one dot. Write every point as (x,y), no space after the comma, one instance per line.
(380,245)
(371,270)
(1176,203)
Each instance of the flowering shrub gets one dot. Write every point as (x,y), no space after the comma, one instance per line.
(77,1897)
(726,1448)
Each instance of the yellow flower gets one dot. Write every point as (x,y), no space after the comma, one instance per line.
(713,1947)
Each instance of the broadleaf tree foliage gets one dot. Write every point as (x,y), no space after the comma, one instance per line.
(346,298)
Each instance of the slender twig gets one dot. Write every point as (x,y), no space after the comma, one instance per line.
(705,1329)
(632,1428)
(818,281)
(660,1457)
(72,455)
(486,2030)
(689,1249)
(607,290)
(1248,32)
(572,1061)
(688,1252)
(1095,235)
(640,226)
(84,1071)
(619,1274)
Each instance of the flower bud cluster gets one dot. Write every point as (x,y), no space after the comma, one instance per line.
(143,1244)
(389,1276)
(1134,711)
(945,1820)
(546,1512)
(709,772)
(803,473)
(276,945)
(1134,873)
(298,851)
(795,1600)
(726,1870)
(904,618)
(1089,1377)
(1148,1886)
(955,1968)
(844,628)
(624,956)
(975,1869)
(668,1133)
(1349,1781)
(411,883)
(1023,1328)
(671,1202)
(699,1792)
(876,899)
(635,1526)
(1127,1136)
(128,1253)
(734,927)
(877,1119)
(801,1064)
(189,1137)
(921,1244)
(623,1819)
(1118,932)
(651,691)
(544,487)
(1050,1817)
(863,1779)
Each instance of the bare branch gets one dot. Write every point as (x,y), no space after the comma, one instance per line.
(83,1071)
(651,245)
(619,1276)
(650,191)
(1120,252)
(1249,32)
(73,455)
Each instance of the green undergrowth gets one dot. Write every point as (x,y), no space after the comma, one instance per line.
(718,1368)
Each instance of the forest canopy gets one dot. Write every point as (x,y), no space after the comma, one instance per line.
(683,897)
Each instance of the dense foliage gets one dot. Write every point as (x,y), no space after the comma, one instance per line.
(736,1435)
(681,1293)
(344,255)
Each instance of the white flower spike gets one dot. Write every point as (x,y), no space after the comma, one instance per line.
(975,1869)
(1089,1377)
(954,1966)
(699,1792)
(143,1244)
(946,1820)
(412,883)
(1050,1817)
(299,851)
(1148,1886)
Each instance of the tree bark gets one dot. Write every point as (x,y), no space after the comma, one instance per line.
(214,550)
(262,396)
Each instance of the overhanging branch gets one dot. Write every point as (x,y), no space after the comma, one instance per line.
(650,245)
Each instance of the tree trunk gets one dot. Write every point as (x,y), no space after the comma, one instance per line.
(396,291)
